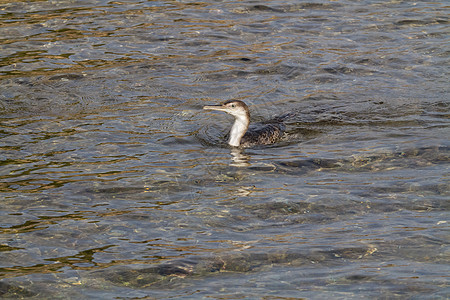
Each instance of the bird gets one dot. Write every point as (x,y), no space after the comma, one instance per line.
(240,134)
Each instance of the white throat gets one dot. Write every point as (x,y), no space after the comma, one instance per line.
(238,130)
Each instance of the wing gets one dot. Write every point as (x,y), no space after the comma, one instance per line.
(264,134)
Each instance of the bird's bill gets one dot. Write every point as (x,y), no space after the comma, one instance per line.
(215,107)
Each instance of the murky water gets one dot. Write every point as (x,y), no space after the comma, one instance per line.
(115,183)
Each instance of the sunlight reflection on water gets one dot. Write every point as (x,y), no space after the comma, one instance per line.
(114,181)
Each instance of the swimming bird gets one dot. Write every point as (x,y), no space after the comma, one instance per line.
(243,136)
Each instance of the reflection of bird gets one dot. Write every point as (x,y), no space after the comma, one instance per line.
(240,134)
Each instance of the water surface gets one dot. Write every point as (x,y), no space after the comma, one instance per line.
(115,183)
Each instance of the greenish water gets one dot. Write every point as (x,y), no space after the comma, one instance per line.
(114,183)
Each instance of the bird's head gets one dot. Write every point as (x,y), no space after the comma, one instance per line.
(236,108)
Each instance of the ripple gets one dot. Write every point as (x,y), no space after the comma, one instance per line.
(115,181)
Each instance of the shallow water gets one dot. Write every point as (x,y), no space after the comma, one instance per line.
(115,183)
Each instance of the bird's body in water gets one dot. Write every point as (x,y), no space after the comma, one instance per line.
(240,134)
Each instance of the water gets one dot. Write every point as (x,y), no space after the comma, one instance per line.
(116,184)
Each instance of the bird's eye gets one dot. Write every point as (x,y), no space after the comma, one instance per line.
(232,105)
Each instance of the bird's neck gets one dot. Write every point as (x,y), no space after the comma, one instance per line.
(238,130)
